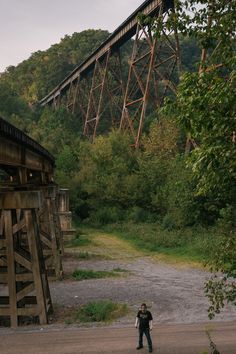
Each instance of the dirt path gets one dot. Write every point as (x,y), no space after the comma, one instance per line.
(177,339)
(173,292)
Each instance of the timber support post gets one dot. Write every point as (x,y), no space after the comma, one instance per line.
(65,214)
(50,232)
(22,267)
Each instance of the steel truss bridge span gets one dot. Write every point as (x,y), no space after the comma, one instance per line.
(97,91)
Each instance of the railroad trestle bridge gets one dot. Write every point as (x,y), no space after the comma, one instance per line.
(97,91)
(33,214)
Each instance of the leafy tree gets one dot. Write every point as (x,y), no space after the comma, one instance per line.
(107,171)
(222,289)
(205,108)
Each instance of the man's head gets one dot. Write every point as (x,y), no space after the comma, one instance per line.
(143,307)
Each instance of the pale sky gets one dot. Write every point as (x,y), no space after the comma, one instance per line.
(30,25)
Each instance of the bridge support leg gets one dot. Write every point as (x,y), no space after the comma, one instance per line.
(149,81)
(24,291)
(50,233)
(115,89)
(96,96)
(65,214)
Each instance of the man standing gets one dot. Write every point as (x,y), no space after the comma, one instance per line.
(144,323)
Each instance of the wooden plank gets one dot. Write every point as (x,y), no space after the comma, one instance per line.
(3,243)
(54,246)
(45,240)
(5,311)
(28,311)
(23,261)
(24,277)
(17,227)
(1,222)
(3,278)
(34,245)
(26,291)
(21,200)
(3,262)
(11,268)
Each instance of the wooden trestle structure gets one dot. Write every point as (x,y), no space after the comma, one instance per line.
(97,92)
(30,232)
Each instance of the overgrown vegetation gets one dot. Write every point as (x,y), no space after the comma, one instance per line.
(90,255)
(101,311)
(193,244)
(83,274)
(80,240)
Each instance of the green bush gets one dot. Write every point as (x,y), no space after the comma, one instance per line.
(180,202)
(88,255)
(80,240)
(83,274)
(138,214)
(193,243)
(101,311)
(106,215)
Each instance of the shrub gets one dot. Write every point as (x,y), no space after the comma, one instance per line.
(101,311)
(83,274)
(106,215)
(80,240)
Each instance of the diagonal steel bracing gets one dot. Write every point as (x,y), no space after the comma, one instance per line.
(98,95)
(152,75)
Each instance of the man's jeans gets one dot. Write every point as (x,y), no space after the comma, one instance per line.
(145,331)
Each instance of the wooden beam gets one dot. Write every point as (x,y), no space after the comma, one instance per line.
(26,290)
(20,200)
(11,268)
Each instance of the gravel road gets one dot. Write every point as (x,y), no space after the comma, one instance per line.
(174,293)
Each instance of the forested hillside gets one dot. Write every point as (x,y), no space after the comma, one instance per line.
(158,185)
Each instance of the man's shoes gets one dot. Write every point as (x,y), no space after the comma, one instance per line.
(150,350)
(139,347)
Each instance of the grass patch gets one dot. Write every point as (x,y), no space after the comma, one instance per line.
(120,270)
(80,240)
(89,255)
(188,245)
(83,274)
(101,311)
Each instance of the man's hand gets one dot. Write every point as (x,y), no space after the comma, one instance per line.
(150,328)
